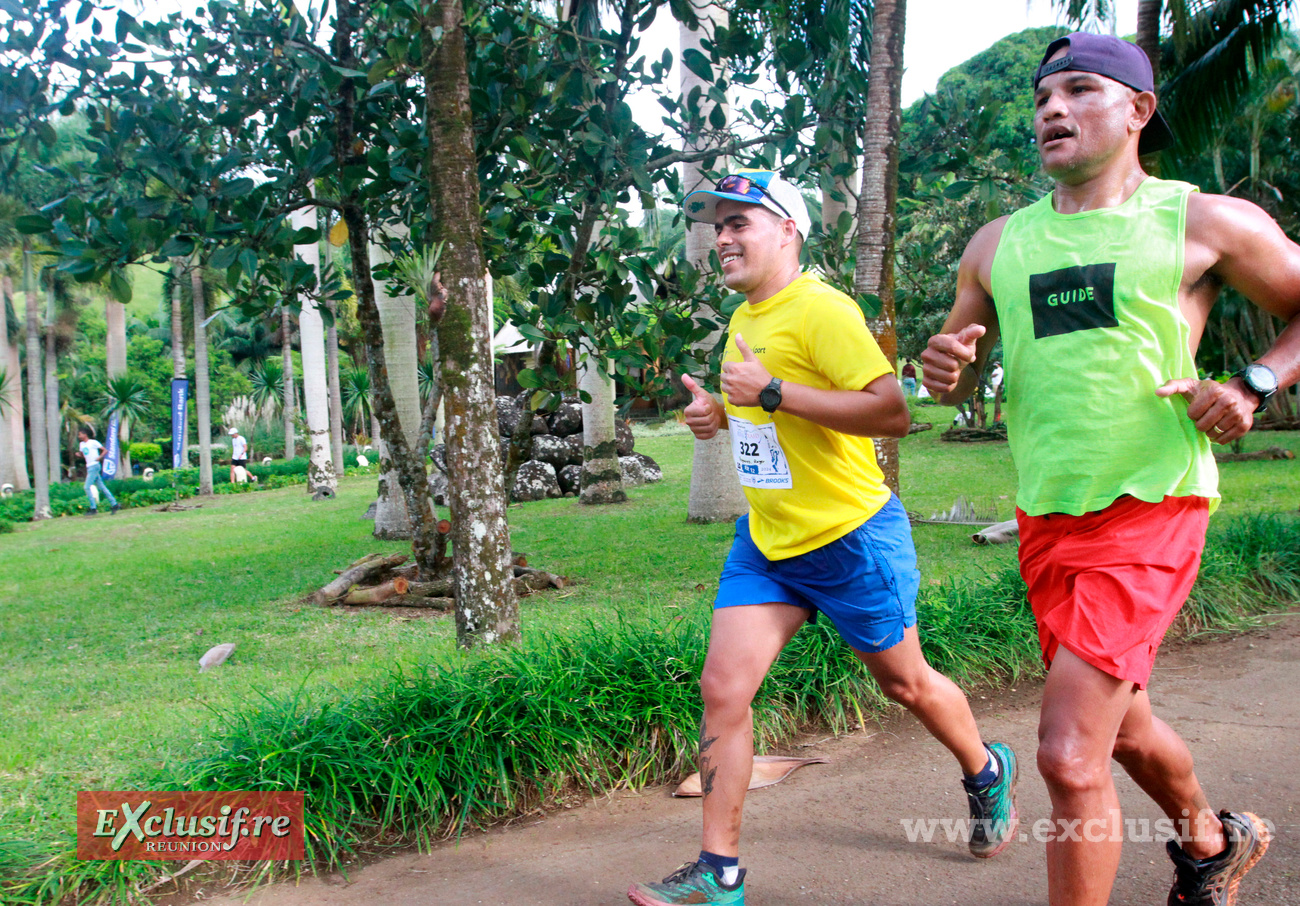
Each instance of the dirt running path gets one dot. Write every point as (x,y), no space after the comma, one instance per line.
(832,833)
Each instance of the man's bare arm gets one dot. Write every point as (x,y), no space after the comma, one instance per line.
(1244,248)
(954,358)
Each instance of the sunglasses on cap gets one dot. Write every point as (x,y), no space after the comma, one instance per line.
(743,185)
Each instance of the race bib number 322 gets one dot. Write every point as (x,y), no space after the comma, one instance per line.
(760,461)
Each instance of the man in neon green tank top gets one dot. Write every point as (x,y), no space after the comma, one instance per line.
(1101,292)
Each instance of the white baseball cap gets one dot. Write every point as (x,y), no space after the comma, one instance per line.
(761,187)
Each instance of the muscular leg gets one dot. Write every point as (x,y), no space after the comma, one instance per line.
(1083,709)
(743,644)
(1159,762)
(905,677)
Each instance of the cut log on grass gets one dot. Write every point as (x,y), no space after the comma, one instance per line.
(1268,453)
(376,594)
(993,433)
(444,605)
(537,579)
(918,427)
(440,545)
(1000,533)
(438,588)
(358,572)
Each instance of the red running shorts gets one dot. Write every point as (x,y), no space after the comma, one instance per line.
(1106,585)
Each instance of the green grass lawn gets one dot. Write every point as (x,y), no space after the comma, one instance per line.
(103,620)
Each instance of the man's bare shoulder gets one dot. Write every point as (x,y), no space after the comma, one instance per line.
(1224,223)
(984,244)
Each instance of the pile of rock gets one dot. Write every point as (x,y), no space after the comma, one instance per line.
(554,466)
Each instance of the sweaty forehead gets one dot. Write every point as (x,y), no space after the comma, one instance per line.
(1069,76)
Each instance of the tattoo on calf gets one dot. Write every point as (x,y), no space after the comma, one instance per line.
(707,771)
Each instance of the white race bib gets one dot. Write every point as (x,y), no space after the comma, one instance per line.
(760,461)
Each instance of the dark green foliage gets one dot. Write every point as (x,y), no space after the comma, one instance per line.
(6,526)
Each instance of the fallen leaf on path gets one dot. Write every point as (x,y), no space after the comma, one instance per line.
(768,770)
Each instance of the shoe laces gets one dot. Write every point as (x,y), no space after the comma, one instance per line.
(1195,882)
(980,799)
(683,873)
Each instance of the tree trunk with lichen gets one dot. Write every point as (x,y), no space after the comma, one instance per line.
(487,610)
(409,461)
(878,199)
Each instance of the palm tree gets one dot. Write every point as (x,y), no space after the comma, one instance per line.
(355,387)
(10,329)
(715,494)
(336,391)
(249,342)
(288,405)
(875,265)
(315,384)
(202,389)
(398,322)
(61,316)
(36,391)
(10,387)
(126,397)
(115,350)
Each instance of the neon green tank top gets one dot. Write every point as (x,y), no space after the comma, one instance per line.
(1088,309)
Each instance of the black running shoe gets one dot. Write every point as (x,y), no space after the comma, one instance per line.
(1213,881)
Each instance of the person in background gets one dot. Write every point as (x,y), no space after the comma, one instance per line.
(238,456)
(92,451)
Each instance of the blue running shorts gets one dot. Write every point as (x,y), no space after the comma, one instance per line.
(865,582)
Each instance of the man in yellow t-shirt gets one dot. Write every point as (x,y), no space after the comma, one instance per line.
(806,389)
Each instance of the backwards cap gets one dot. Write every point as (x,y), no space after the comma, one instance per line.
(1113,58)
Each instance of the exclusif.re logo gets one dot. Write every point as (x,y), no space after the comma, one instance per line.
(190,825)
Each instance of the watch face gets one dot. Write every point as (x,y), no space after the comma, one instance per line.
(769,398)
(1260,378)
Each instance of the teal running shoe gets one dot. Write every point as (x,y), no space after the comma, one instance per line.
(694,884)
(994,819)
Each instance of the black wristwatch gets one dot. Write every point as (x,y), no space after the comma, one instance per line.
(1261,381)
(770,396)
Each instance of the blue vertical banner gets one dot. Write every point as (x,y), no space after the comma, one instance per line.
(112,450)
(180,433)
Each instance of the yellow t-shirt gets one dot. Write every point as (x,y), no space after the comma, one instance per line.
(807,485)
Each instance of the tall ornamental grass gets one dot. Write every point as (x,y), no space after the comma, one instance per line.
(426,754)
